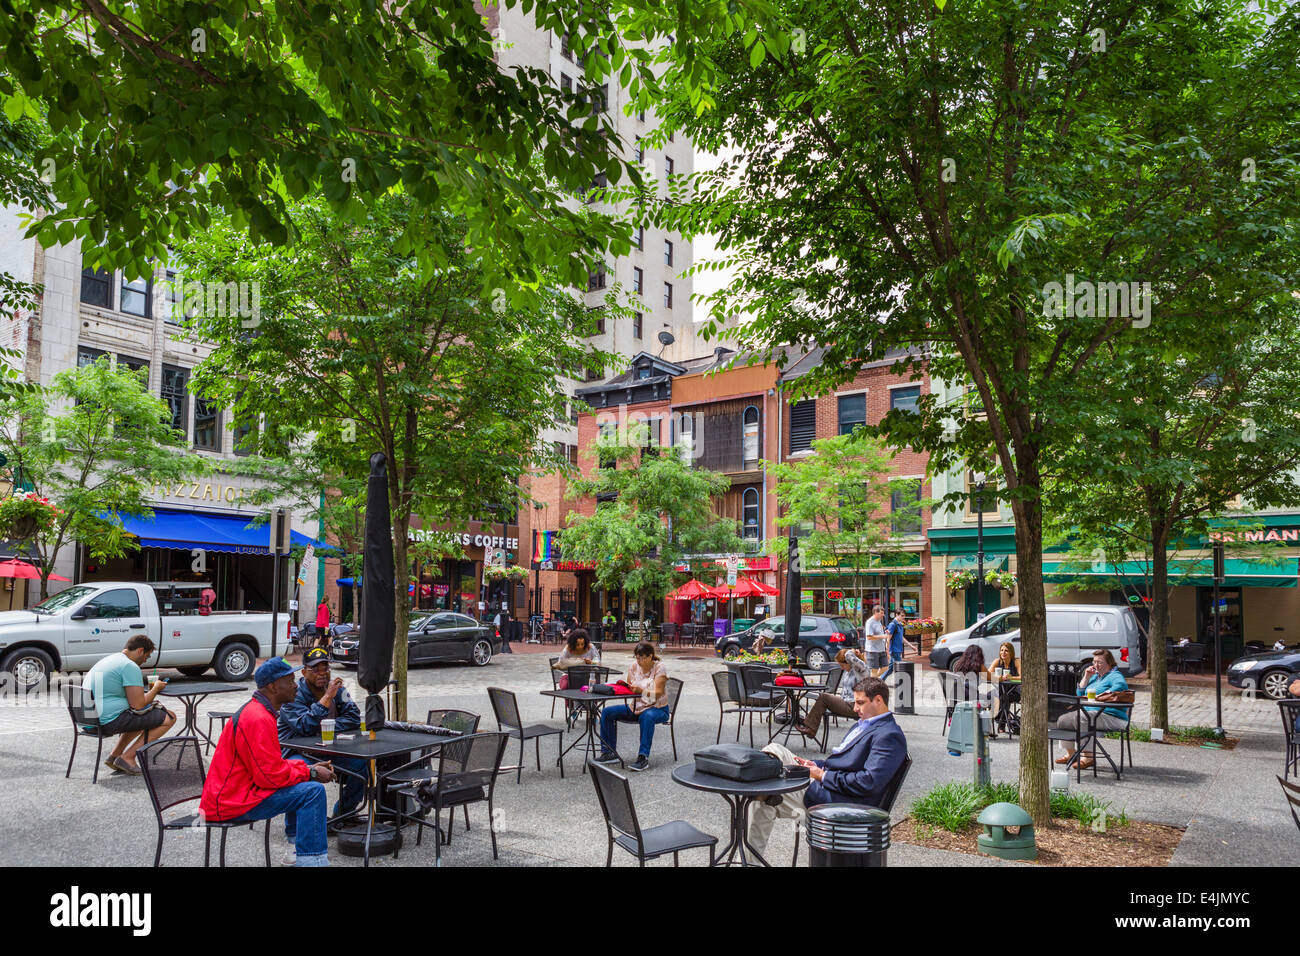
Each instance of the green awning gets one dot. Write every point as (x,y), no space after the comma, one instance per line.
(1187,572)
(970,562)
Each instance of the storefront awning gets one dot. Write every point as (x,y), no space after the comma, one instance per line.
(183,530)
(970,562)
(1188,572)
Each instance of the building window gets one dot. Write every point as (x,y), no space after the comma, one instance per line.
(669,166)
(750,528)
(97,287)
(640,237)
(565,50)
(668,253)
(640,116)
(135,364)
(685,436)
(852,412)
(137,297)
(566,82)
(591,374)
(753,447)
(175,297)
(173,393)
(243,445)
(207,425)
(640,151)
(636,325)
(803,425)
(638,280)
(906,399)
(668,295)
(88,356)
(573,412)
(905,505)
(599,318)
(596,279)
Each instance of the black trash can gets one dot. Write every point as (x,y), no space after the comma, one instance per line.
(905,687)
(844,834)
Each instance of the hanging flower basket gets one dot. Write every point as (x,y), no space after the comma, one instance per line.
(923,625)
(1005,580)
(512,573)
(22,517)
(960,580)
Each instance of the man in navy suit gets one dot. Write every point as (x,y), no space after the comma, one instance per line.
(857,771)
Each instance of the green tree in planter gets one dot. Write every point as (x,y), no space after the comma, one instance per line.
(93,443)
(841,495)
(656,512)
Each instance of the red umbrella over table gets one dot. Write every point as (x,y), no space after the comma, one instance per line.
(21,569)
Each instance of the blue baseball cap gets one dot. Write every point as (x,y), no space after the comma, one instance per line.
(273,670)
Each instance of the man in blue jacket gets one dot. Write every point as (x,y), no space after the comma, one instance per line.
(857,771)
(320,697)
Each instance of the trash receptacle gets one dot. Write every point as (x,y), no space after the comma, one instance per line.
(904,687)
(742,624)
(844,834)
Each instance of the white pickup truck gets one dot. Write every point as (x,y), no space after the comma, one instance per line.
(73,629)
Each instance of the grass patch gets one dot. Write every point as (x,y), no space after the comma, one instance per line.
(1187,734)
(954,806)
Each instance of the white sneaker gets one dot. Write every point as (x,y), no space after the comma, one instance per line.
(290,857)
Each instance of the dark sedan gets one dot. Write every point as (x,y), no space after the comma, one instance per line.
(1269,672)
(432,638)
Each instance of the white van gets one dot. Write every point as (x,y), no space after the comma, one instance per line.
(1074,631)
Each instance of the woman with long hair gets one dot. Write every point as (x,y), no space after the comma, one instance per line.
(648,707)
(1004,672)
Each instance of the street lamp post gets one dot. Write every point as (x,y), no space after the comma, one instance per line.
(979,547)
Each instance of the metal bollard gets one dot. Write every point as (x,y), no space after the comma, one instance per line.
(905,687)
(847,835)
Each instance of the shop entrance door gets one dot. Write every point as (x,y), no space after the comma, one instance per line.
(992,601)
(1230,622)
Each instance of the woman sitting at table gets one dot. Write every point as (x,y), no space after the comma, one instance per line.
(648,707)
(578,652)
(1008,690)
(971,668)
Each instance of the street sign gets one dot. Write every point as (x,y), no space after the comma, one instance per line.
(733,565)
(293,605)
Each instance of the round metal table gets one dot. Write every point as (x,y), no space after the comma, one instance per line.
(739,795)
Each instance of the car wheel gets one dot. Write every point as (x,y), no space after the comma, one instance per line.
(481,654)
(731,652)
(30,666)
(193,671)
(817,658)
(1275,683)
(235,662)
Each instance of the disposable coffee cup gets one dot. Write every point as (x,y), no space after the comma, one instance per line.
(327,731)
(1092,694)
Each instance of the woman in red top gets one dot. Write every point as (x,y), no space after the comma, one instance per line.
(322,623)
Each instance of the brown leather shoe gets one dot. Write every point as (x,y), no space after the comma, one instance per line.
(1086,762)
(1066,759)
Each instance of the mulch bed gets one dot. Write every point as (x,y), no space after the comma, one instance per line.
(1227,743)
(1065,843)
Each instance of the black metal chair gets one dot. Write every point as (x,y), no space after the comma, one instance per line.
(506,709)
(467,773)
(84,713)
(957,688)
(727,687)
(673,690)
(623,828)
(887,799)
(670,633)
(1193,654)
(753,696)
(1086,733)
(172,778)
(1292,793)
(1290,713)
(221,715)
(555,681)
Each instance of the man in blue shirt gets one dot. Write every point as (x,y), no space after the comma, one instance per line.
(1103,678)
(117,686)
(858,771)
(897,640)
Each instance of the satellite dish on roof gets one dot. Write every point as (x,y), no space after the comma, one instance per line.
(666,338)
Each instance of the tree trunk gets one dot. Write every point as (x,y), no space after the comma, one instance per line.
(401,572)
(1157,662)
(1035,795)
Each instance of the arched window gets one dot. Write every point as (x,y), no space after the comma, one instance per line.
(750,521)
(753,446)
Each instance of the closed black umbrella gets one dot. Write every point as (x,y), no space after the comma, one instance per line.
(793,587)
(378,606)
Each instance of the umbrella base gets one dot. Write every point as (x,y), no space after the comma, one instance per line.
(385,839)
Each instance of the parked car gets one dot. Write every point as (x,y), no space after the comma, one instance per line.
(1270,672)
(73,629)
(1074,631)
(432,638)
(820,637)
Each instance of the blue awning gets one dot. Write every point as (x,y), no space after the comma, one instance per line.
(183,530)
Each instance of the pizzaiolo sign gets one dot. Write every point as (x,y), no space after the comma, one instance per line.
(199,491)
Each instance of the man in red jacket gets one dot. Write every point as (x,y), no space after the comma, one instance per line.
(250,780)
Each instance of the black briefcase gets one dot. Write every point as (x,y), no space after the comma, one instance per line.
(737,762)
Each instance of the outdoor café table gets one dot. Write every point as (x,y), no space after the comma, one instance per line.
(793,694)
(590,704)
(739,795)
(190,694)
(387,743)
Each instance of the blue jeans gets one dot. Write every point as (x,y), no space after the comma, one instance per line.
(303,806)
(621,712)
(352,785)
